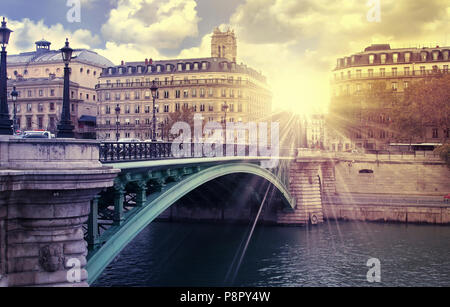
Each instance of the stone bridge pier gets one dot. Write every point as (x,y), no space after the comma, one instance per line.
(46,188)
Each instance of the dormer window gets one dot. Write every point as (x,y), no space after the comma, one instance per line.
(383,58)
(204,66)
(158,68)
(371,59)
(346,61)
(139,69)
(445,55)
(435,55)
(180,67)
(121,70)
(395,57)
(188,66)
(130,70)
(423,56)
(407,56)
(149,68)
(195,66)
(353,59)
(168,67)
(110,71)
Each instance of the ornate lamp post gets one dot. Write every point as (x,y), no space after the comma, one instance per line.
(117,122)
(225,108)
(154,90)
(65,127)
(14,95)
(5,122)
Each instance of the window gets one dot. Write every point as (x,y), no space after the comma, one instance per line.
(445,68)
(137,109)
(194,92)
(383,58)
(29,94)
(382,72)
(435,133)
(29,107)
(202,92)
(29,123)
(127,109)
(202,108)
(166,108)
(52,92)
(180,67)
(407,57)
(224,92)
(177,94)
(395,57)
(108,110)
(405,84)
(394,71)
(73,107)
(358,73)
(40,107)
(406,71)
(435,55)
(177,107)
(371,59)
(211,93)
(211,108)
(137,95)
(370,71)
(166,94)
(117,96)
(422,70)
(40,122)
(423,56)
(349,74)
(358,87)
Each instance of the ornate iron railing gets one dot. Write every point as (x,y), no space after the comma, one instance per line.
(121,152)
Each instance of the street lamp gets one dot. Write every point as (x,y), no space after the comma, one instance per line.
(5,122)
(65,127)
(225,108)
(154,90)
(14,95)
(117,122)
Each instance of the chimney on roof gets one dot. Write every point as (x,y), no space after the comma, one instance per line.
(151,61)
(146,62)
(122,63)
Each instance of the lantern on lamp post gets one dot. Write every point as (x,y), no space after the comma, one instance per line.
(65,127)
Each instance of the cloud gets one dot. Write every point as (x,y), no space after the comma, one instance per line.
(296,42)
(159,23)
(27,32)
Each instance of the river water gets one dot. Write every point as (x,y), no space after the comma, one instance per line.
(331,254)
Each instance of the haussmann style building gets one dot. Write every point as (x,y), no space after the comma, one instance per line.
(39,80)
(216,87)
(398,69)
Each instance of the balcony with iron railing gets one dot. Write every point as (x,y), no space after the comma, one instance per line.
(175,83)
(391,75)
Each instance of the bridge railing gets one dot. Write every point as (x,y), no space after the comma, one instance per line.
(111,152)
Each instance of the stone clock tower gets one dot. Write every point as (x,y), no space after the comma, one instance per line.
(223,45)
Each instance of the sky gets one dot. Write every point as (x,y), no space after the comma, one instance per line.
(295,43)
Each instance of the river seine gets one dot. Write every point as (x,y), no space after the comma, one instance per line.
(331,254)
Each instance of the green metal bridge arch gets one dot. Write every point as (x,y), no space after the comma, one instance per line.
(157,203)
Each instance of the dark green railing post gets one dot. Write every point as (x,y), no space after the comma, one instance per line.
(141,195)
(119,198)
(93,237)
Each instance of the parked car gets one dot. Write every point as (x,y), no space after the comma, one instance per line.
(37,135)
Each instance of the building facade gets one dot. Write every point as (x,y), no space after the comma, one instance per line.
(38,77)
(203,85)
(39,106)
(398,69)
